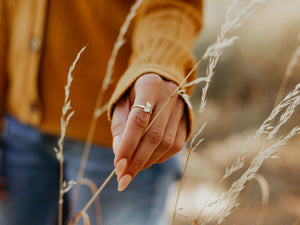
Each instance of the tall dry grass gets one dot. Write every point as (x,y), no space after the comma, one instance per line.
(213,53)
(279,116)
(288,73)
(65,119)
(100,106)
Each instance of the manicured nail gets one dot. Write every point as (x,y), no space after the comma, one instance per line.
(125,180)
(116,143)
(121,166)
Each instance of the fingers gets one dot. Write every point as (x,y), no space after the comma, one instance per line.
(150,141)
(179,141)
(135,125)
(169,138)
(125,178)
(133,131)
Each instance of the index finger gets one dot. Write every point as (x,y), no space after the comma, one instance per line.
(136,124)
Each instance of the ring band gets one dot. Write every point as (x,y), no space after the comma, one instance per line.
(147,108)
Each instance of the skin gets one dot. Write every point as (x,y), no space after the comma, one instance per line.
(165,137)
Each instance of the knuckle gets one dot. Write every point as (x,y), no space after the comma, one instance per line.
(140,119)
(155,79)
(178,145)
(137,165)
(167,142)
(151,79)
(127,149)
(155,135)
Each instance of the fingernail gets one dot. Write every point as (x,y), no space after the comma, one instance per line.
(121,166)
(125,180)
(116,143)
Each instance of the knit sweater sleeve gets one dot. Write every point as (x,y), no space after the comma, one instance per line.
(162,42)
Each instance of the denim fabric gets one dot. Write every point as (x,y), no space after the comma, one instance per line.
(31,172)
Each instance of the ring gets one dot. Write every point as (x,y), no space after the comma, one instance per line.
(146,108)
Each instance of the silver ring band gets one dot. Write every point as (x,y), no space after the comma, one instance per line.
(146,108)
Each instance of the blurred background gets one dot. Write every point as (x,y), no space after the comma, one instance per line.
(240,97)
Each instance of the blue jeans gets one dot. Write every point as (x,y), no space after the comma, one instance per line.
(31,172)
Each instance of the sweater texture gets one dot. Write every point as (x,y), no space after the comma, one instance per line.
(39,40)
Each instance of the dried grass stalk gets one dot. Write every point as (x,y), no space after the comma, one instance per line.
(95,196)
(99,108)
(265,192)
(85,218)
(267,128)
(232,22)
(293,100)
(119,43)
(186,98)
(191,148)
(65,118)
(286,107)
(213,52)
(292,63)
(93,187)
(67,186)
(297,222)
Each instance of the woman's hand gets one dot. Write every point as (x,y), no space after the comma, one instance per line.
(134,150)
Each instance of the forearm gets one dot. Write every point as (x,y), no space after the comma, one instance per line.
(164,36)
(162,42)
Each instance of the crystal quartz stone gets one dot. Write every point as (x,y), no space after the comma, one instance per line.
(147,108)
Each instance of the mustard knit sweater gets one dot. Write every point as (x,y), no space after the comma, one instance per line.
(39,40)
